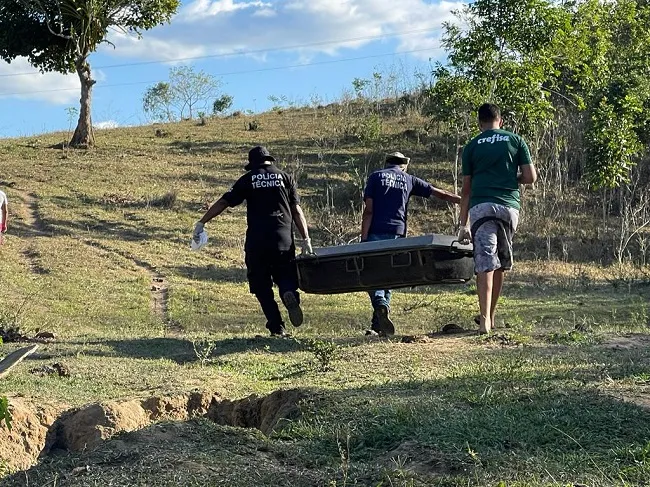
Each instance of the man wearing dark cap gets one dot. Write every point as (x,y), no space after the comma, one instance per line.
(273,206)
(386,200)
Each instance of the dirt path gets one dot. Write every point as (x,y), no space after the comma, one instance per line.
(158,289)
(28,225)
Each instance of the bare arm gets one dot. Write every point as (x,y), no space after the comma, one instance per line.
(528,174)
(464,201)
(215,210)
(366,219)
(441,194)
(300,221)
(4,216)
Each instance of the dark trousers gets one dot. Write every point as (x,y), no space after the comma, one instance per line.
(265,268)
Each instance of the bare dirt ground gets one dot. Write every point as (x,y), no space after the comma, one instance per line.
(37,430)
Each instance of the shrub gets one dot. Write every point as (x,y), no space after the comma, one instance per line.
(5,415)
(222,104)
(325,352)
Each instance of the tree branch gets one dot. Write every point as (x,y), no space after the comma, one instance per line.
(37,5)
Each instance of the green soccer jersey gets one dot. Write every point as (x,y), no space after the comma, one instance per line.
(492,159)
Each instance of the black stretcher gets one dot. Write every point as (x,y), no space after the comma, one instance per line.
(386,264)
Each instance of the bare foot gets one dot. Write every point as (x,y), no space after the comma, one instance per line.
(484,326)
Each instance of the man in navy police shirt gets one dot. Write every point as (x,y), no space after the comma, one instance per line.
(386,200)
(273,206)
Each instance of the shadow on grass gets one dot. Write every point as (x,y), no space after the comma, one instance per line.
(211,273)
(502,423)
(178,350)
(489,425)
(209,147)
(183,351)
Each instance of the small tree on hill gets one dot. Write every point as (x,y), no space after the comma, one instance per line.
(59,35)
(187,92)
(158,100)
(221,104)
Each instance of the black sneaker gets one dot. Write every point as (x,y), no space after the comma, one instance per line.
(384,323)
(293,307)
(280,334)
(374,333)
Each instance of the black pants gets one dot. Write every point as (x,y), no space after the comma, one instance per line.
(265,268)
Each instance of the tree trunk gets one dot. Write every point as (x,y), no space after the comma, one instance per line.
(83,134)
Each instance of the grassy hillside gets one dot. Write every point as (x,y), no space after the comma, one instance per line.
(98,253)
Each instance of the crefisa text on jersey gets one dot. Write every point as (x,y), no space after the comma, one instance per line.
(267,180)
(493,138)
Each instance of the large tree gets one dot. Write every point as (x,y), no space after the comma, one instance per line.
(504,49)
(59,35)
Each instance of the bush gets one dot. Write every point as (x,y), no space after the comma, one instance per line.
(5,415)
(222,104)
(325,352)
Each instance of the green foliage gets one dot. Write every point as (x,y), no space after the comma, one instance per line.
(59,35)
(157,101)
(222,104)
(570,337)
(5,414)
(366,129)
(613,143)
(203,350)
(502,50)
(325,352)
(280,102)
(453,99)
(54,34)
(360,86)
(537,59)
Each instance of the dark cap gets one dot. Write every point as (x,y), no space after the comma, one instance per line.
(258,155)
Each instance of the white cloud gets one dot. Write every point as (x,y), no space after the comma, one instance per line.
(265,12)
(208,27)
(153,48)
(20,80)
(108,124)
(219,27)
(215,7)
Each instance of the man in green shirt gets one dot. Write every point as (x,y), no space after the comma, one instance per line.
(495,163)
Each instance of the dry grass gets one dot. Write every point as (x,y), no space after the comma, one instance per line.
(86,242)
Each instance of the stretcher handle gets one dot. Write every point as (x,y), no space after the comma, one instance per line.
(356,268)
(454,249)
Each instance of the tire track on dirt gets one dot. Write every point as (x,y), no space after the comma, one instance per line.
(30,228)
(159,288)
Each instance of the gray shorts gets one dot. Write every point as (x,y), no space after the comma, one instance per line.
(493,245)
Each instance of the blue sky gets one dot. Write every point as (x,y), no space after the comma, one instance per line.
(304,50)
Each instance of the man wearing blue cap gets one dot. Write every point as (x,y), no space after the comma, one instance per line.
(273,206)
